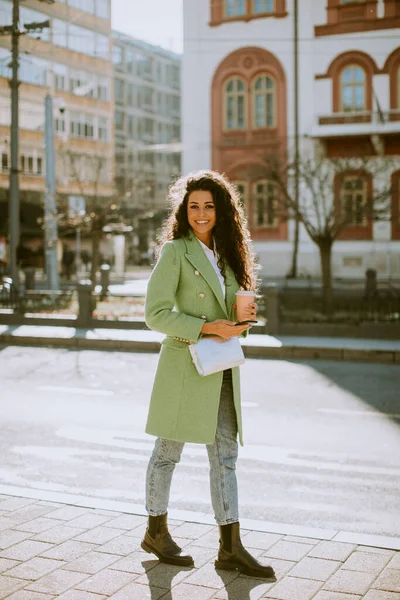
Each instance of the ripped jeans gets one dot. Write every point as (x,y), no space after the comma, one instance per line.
(222,455)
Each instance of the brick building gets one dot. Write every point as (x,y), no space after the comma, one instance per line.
(239,104)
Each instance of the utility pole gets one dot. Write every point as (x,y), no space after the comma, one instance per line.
(50,200)
(14,203)
(293,269)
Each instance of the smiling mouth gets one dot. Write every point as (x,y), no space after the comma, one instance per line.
(202,222)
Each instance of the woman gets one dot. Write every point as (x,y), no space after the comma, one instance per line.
(204,260)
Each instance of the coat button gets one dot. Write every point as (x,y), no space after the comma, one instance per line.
(203,317)
(201,295)
(197,272)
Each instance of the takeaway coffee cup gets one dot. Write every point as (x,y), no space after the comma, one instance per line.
(243,299)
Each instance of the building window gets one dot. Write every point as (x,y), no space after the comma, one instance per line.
(117,56)
(242,188)
(82,125)
(263,6)
(398,88)
(352,89)
(4,161)
(119,120)
(119,90)
(103,129)
(235,8)
(103,9)
(235,104)
(264,204)
(264,103)
(354,190)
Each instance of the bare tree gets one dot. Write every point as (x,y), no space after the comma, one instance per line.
(334,194)
(86,171)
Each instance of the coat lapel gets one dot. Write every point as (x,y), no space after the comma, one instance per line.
(199,260)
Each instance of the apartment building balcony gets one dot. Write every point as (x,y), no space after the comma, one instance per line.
(359,133)
(340,124)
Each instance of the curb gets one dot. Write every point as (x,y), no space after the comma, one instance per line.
(250,350)
(360,539)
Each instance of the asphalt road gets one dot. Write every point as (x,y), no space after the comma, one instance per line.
(322,439)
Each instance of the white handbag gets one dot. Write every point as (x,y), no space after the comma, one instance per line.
(213,354)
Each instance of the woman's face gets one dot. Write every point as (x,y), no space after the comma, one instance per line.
(201,214)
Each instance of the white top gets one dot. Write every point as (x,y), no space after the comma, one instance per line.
(213,260)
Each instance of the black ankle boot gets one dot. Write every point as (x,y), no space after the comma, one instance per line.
(233,557)
(157,540)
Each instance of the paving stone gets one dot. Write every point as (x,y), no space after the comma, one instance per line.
(58,534)
(349,582)
(37,525)
(7,563)
(25,550)
(57,582)
(35,568)
(332,550)
(105,512)
(80,595)
(209,577)
(138,531)
(372,550)
(395,561)
(126,522)
(186,591)
(88,521)
(91,563)
(14,503)
(300,540)
(381,595)
(9,522)
(323,595)
(288,550)
(388,580)
(243,587)
(11,536)
(99,535)
(122,545)
(365,562)
(137,591)
(281,567)
(315,568)
(69,550)
(9,585)
(133,563)
(32,511)
(27,595)
(292,588)
(163,576)
(258,539)
(210,540)
(67,513)
(201,555)
(192,530)
(106,582)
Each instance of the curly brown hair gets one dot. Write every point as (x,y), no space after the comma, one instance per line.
(230,234)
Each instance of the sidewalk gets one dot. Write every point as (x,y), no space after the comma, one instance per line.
(83,551)
(255,346)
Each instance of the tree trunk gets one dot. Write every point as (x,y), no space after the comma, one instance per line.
(95,257)
(325,253)
(295,251)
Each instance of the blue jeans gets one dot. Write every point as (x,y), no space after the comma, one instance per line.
(222,455)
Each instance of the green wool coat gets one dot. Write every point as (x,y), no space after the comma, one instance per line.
(183,292)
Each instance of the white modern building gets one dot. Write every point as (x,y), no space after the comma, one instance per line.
(239,104)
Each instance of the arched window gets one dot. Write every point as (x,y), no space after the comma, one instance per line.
(398,88)
(263,6)
(235,8)
(352,89)
(264,102)
(264,204)
(354,191)
(235,104)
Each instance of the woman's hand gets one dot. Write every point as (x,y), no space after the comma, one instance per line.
(224,329)
(250,312)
